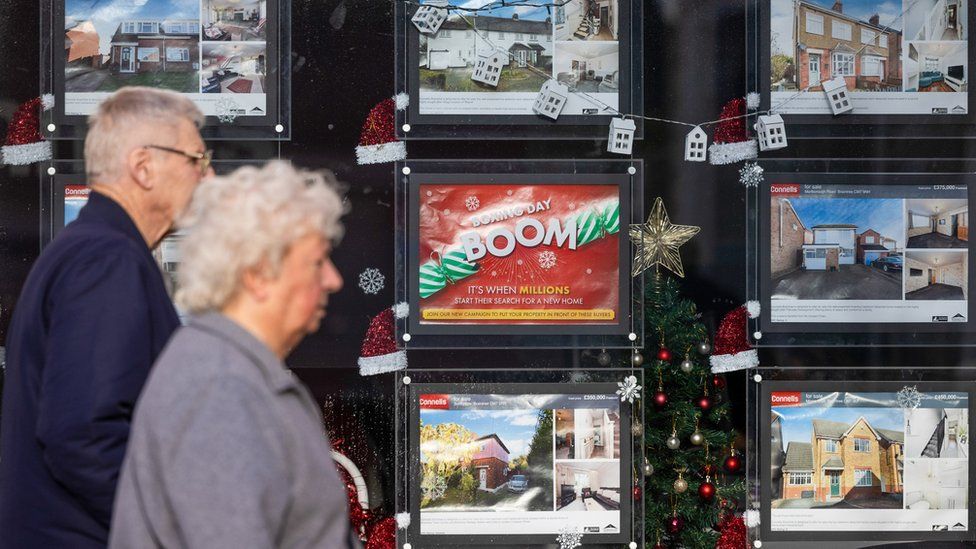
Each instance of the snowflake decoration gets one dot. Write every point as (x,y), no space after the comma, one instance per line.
(227,110)
(909,397)
(472,203)
(751,175)
(547,259)
(433,487)
(371,281)
(628,389)
(569,538)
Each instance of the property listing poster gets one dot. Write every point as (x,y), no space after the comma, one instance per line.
(520,464)
(575,42)
(869,253)
(896,57)
(214,51)
(75,197)
(540,254)
(847,461)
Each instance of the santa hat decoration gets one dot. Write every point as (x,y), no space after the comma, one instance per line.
(731,142)
(24,144)
(378,142)
(732,350)
(379,353)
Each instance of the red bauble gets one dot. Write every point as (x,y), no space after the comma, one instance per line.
(664,354)
(674,525)
(706,491)
(637,493)
(660,399)
(704,402)
(718,382)
(732,464)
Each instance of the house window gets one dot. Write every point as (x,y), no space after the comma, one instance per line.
(830,446)
(843,64)
(815,23)
(846,252)
(560,15)
(181,27)
(795,228)
(129,27)
(821,253)
(177,54)
(501,36)
(148,54)
(862,445)
(534,37)
(868,36)
(931,64)
(467,34)
(869,239)
(871,66)
(883,41)
(445,33)
(840,30)
(919,221)
(148,26)
(800,479)
(519,36)
(863,477)
(914,272)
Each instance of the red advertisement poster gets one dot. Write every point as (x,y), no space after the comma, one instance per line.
(541,254)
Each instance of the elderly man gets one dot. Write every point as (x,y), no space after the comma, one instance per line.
(91,319)
(227,447)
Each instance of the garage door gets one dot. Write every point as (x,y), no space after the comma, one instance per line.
(817,264)
(870,257)
(438,60)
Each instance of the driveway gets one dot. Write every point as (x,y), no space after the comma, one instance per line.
(84,80)
(866,503)
(850,282)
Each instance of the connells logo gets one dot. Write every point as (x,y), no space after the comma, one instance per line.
(434,402)
(785,399)
(784,189)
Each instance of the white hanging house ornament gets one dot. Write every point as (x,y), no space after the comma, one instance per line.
(489,67)
(771,131)
(621,140)
(695,145)
(430,16)
(551,99)
(836,91)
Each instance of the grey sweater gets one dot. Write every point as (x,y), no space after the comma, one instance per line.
(227,450)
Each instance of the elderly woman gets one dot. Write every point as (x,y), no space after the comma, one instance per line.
(227,446)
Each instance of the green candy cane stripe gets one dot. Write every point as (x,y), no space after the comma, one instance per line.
(457,266)
(434,276)
(587,228)
(431,279)
(611,218)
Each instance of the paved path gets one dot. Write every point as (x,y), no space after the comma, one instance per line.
(84,81)
(850,282)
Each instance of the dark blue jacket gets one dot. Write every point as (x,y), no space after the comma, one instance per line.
(91,320)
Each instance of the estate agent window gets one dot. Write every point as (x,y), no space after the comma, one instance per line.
(800,479)
(862,445)
(815,23)
(843,64)
(863,477)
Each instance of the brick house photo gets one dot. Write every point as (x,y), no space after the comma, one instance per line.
(490,460)
(845,464)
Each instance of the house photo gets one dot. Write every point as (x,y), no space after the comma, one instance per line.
(522,43)
(936,20)
(233,68)
(587,434)
(586,20)
(588,486)
(941,433)
(937,275)
(827,248)
(937,484)
(851,41)
(937,223)
(853,459)
(234,20)
(588,67)
(936,67)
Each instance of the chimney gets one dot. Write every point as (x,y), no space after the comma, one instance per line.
(874,20)
(838,6)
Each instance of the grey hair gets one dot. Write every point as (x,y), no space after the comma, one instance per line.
(250,219)
(131,117)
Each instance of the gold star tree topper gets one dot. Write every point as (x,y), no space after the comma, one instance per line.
(658,240)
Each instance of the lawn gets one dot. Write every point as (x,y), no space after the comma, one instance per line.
(517,79)
(186,82)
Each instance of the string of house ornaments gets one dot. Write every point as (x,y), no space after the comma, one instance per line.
(731,141)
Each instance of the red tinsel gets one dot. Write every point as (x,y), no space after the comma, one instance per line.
(382,535)
(377,532)
(24,126)
(380,339)
(732,131)
(379,125)
(731,336)
(733,534)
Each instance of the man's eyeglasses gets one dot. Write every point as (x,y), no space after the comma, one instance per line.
(202,160)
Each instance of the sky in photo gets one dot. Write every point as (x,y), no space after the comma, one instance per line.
(881,214)
(798,421)
(107,14)
(781,18)
(534,13)
(514,427)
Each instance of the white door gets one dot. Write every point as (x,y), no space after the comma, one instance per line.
(521,57)
(483,478)
(814,69)
(818,264)
(126,63)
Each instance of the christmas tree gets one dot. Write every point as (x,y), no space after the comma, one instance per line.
(688,436)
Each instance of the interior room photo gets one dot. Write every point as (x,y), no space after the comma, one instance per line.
(936,67)
(233,68)
(936,484)
(936,20)
(937,275)
(935,223)
(587,67)
(587,434)
(588,486)
(236,20)
(586,20)
(937,433)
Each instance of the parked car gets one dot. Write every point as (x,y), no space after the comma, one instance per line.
(890,263)
(518,483)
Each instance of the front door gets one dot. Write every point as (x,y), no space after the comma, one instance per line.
(834,483)
(520,56)
(483,478)
(931,276)
(814,69)
(125,59)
